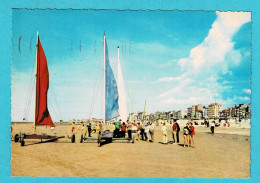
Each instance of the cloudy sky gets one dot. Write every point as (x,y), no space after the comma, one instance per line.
(173,59)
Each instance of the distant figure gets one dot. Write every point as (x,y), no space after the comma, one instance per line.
(175,131)
(100,125)
(228,124)
(89,129)
(142,130)
(123,129)
(146,131)
(83,129)
(212,126)
(192,134)
(129,130)
(73,127)
(152,131)
(186,135)
(164,133)
(52,128)
(117,128)
(138,130)
(78,126)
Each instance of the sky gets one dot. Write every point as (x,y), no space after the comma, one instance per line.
(171,59)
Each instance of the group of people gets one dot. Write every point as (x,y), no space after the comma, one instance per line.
(145,131)
(188,133)
(83,128)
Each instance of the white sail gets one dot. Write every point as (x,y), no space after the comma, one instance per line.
(121,92)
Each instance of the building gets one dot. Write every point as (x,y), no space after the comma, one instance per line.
(214,110)
(181,114)
(189,112)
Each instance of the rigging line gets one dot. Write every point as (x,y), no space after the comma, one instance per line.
(94,88)
(56,103)
(29,103)
(95,97)
(28,91)
(49,99)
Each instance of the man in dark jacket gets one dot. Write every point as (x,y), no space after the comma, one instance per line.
(175,131)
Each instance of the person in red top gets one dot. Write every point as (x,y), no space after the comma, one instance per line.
(192,134)
(123,129)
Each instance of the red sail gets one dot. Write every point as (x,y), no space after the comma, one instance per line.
(42,115)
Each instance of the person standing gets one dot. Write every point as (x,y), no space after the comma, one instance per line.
(100,128)
(117,128)
(123,129)
(152,131)
(146,131)
(129,130)
(164,133)
(89,129)
(186,135)
(212,126)
(73,127)
(192,134)
(138,130)
(175,131)
(142,130)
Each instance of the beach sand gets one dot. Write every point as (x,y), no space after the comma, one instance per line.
(224,155)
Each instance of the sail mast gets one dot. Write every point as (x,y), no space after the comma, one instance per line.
(104,78)
(34,126)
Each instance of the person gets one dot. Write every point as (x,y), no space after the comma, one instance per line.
(100,126)
(117,128)
(83,129)
(73,127)
(212,126)
(123,129)
(164,133)
(142,130)
(78,126)
(186,135)
(192,134)
(89,129)
(175,131)
(138,131)
(146,131)
(152,131)
(129,130)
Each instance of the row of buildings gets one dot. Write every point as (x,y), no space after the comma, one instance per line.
(212,111)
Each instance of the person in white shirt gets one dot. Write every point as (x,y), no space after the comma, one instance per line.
(146,131)
(164,133)
(212,126)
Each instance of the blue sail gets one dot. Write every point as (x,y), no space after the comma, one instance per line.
(111,95)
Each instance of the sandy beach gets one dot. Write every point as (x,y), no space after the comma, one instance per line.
(226,154)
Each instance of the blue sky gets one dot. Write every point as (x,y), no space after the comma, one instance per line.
(173,59)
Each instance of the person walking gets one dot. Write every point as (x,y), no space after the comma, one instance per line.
(175,131)
(212,127)
(192,134)
(73,127)
(186,135)
(164,133)
(89,129)
(151,130)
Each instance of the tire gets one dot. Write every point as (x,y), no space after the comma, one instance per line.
(16,138)
(73,138)
(22,142)
(81,138)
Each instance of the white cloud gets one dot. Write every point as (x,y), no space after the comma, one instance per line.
(244,98)
(201,70)
(247,91)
